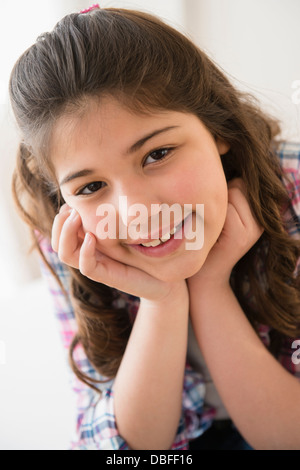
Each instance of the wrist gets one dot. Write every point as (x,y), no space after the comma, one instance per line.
(206,299)
(176,296)
(201,283)
(205,294)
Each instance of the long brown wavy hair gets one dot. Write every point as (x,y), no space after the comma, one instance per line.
(149,65)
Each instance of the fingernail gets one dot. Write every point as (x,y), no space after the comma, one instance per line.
(73,214)
(88,238)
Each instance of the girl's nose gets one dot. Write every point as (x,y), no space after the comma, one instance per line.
(137,210)
(138,217)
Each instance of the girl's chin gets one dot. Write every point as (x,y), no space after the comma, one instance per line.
(175,275)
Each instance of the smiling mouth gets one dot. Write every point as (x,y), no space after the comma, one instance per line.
(165,245)
(152,243)
(166,237)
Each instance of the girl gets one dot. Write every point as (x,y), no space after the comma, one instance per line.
(171,347)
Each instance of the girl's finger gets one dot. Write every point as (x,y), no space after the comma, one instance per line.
(57,226)
(101,268)
(238,199)
(87,258)
(69,242)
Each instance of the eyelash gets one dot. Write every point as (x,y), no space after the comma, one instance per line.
(163,149)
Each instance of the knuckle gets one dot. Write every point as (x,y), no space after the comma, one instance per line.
(62,257)
(54,245)
(65,257)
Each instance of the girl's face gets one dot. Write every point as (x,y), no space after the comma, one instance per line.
(110,155)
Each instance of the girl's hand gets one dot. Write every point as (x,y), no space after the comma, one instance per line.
(240,232)
(79,251)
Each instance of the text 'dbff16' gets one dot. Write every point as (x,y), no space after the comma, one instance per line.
(152,459)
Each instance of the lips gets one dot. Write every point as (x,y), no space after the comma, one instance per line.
(163,236)
(162,239)
(168,247)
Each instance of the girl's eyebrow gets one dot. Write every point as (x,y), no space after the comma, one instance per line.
(72,176)
(136,146)
(147,137)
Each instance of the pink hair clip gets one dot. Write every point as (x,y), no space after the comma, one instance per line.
(93,7)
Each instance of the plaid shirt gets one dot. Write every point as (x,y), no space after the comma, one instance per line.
(96,424)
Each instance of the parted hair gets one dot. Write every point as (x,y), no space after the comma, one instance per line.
(148,65)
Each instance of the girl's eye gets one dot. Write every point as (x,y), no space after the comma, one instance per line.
(157,155)
(91,188)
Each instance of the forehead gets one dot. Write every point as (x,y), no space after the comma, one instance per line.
(107,123)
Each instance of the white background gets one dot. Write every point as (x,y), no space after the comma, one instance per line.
(257,42)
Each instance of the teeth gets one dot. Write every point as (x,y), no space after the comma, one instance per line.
(166,237)
(153,243)
(161,240)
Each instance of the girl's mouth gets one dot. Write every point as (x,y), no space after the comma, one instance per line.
(167,244)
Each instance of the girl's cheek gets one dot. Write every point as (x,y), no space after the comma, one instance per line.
(103,227)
